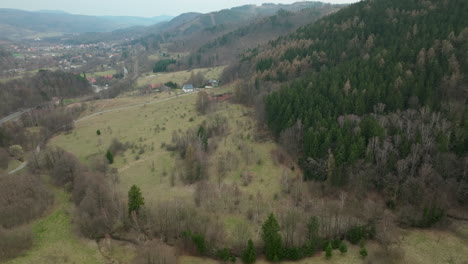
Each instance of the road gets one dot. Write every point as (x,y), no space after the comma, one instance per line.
(130,106)
(13,116)
(20,167)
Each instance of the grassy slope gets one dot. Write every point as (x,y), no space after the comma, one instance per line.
(420,246)
(55,241)
(179,77)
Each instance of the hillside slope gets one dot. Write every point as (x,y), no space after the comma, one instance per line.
(17,24)
(225,48)
(373,98)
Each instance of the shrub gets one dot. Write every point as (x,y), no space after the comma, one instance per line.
(13,242)
(98,132)
(329,250)
(249,255)
(22,198)
(135,199)
(225,255)
(363,252)
(110,157)
(16,151)
(343,248)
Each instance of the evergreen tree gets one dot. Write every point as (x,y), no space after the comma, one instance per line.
(272,239)
(329,250)
(343,248)
(135,199)
(98,132)
(110,157)
(363,252)
(249,255)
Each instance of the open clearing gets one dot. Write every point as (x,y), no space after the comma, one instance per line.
(179,77)
(55,241)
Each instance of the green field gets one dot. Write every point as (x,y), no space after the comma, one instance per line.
(179,77)
(55,240)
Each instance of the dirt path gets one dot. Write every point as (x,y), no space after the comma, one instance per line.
(130,106)
(131,164)
(20,167)
(213,20)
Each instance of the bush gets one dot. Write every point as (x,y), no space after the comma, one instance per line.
(4,158)
(363,252)
(110,157)
(356,234)
(22,198)
(225,255)
(172,85)
(98,132)
(14,242)
(16,151)
(161,66)
(329,250)
(97,211)
(154,252)
(249,255)
(343,248)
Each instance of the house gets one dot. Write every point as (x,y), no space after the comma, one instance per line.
(212,84)
(187,88)
(108,76)
(91,80)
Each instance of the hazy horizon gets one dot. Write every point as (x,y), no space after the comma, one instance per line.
(140,8)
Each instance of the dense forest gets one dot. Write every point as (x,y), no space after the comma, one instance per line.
(372,98)
(40,88)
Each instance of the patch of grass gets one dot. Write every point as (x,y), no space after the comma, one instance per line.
(55,241)
(179,77)
(434,246)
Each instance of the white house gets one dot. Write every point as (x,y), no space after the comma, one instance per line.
(187,88)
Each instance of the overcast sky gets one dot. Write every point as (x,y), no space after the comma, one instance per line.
(147,8)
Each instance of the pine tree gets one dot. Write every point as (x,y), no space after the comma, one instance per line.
(249,255)
(110,157)
(135,199)
(98,132)
(272,238)
(329,250)
(343,248)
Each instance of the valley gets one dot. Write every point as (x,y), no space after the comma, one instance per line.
(275,133)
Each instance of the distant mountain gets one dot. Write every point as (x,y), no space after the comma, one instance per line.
(223,49)
(52,12)
(129,21)
(17,24)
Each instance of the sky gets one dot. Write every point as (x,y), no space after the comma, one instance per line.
(144,8)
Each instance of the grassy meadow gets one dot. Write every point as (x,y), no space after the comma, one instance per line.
(150,166)
(179,77)
(55,240)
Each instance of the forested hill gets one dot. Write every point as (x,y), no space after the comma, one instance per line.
(226,48)
(40,88)
(376,96)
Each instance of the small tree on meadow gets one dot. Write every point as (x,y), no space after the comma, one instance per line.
(98,132)
(135,199)
(363,252)
(110,157)
(329,250)
(343,248)
(272,239)
(249,255)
